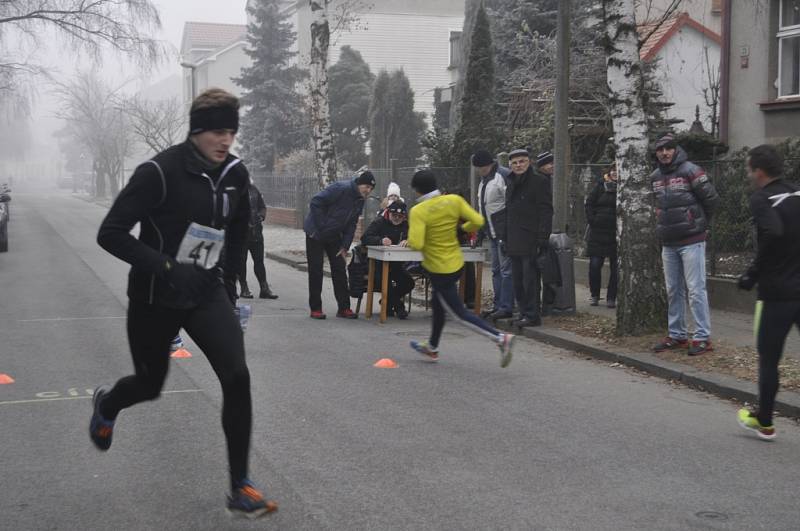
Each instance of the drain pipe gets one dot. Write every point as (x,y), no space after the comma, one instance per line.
(725,71)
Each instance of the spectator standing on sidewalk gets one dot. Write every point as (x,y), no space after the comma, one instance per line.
(545,165)
(255,245)
(492,206)
(330,226)
(529,222)
(685,201)
(392,229)
(775,206)
(601,216)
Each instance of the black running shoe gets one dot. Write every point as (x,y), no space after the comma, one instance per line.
(100,429)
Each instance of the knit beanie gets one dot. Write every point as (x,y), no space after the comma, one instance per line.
(666,141)
(543,158)
(482,158)
(424,182)
(366,177)
(394,189)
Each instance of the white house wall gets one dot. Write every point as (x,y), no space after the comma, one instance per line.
(684,74)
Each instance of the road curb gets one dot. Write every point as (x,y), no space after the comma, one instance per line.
(728,387)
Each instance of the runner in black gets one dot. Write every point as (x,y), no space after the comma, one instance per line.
(192,203)
(775,206)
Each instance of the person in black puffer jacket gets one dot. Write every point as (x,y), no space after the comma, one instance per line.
(685,201)
(391,228)
(601,216)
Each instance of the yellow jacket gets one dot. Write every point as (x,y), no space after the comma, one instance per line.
(432,230)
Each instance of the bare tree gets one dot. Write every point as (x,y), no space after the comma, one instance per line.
(321,133)
(93,116)
(158,124)
(711,93)
(642,303)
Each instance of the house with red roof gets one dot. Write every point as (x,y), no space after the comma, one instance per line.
(686,54)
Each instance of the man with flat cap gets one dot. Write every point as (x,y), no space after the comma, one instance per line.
(529,213)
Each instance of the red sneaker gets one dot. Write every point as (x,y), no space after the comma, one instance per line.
(700,346)
(670,343)
(316,314)
(347,314)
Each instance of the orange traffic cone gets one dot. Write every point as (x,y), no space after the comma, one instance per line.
(386,363)
(181,353)
(6,379)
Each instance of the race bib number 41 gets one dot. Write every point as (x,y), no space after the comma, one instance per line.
(201,246)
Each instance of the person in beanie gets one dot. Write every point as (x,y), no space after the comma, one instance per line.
(432,230)
(529,214)
(392,194)
(775,206)
(392,229)
(545,165)
(492,206)
(685,201)
(192,204)
(330,226)
(601,216)
(255,244)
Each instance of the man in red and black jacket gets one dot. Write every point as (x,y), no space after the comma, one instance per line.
(192,204)
(685,200)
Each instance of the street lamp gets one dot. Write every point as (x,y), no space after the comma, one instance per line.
(192,67)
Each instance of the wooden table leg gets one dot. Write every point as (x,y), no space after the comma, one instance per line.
(370,288)
(478,286)
(384,289)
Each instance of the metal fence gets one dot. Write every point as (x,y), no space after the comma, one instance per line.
(731,239)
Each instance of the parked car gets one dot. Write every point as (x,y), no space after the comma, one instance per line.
(5,197)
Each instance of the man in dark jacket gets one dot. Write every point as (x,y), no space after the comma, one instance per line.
(685,201)
(191,202)
(391,228)
(529,214)
(601,216)
(255,244)
(492,206)
(330,226)
(775,206)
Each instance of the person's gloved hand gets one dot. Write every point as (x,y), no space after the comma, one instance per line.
(746,282)
(188,279)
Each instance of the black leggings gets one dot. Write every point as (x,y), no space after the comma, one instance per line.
(777,318)
(216,330)
(446,299)
(256,248)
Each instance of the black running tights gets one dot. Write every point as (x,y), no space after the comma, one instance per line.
(216,330)
(777,318)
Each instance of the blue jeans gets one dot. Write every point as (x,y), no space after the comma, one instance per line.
(502,280)
(685,267)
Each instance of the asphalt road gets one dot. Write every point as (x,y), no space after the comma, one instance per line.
(553,442)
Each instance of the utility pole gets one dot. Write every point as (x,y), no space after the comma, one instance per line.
(564,295)
(561,175)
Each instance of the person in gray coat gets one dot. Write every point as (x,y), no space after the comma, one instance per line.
(492,206)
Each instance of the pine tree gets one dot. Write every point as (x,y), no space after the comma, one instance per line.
(395,128)
(477,114)
(273,123)
(350,82)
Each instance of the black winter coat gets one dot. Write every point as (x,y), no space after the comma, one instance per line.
(776,213)
(529,213)
(165,195)
(382,228)
(601,216)
(685,201)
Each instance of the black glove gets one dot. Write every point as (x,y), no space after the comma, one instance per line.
(230,288)
(189,279)
(746,282)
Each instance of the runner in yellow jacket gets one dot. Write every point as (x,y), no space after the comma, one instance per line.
(433,224)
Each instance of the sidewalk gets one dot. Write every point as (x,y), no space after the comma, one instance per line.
(734,330)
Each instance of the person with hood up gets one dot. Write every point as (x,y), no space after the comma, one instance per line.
(685,201)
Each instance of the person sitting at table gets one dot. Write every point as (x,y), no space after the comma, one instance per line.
(392,195)
(392,229)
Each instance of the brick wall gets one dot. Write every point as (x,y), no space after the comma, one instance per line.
(286,217)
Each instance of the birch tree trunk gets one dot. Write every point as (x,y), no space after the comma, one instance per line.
(641,304)
(320,110)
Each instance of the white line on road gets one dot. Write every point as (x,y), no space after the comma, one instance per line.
(31,401)
(68,319)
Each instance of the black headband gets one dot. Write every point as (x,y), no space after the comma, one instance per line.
(212,119)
